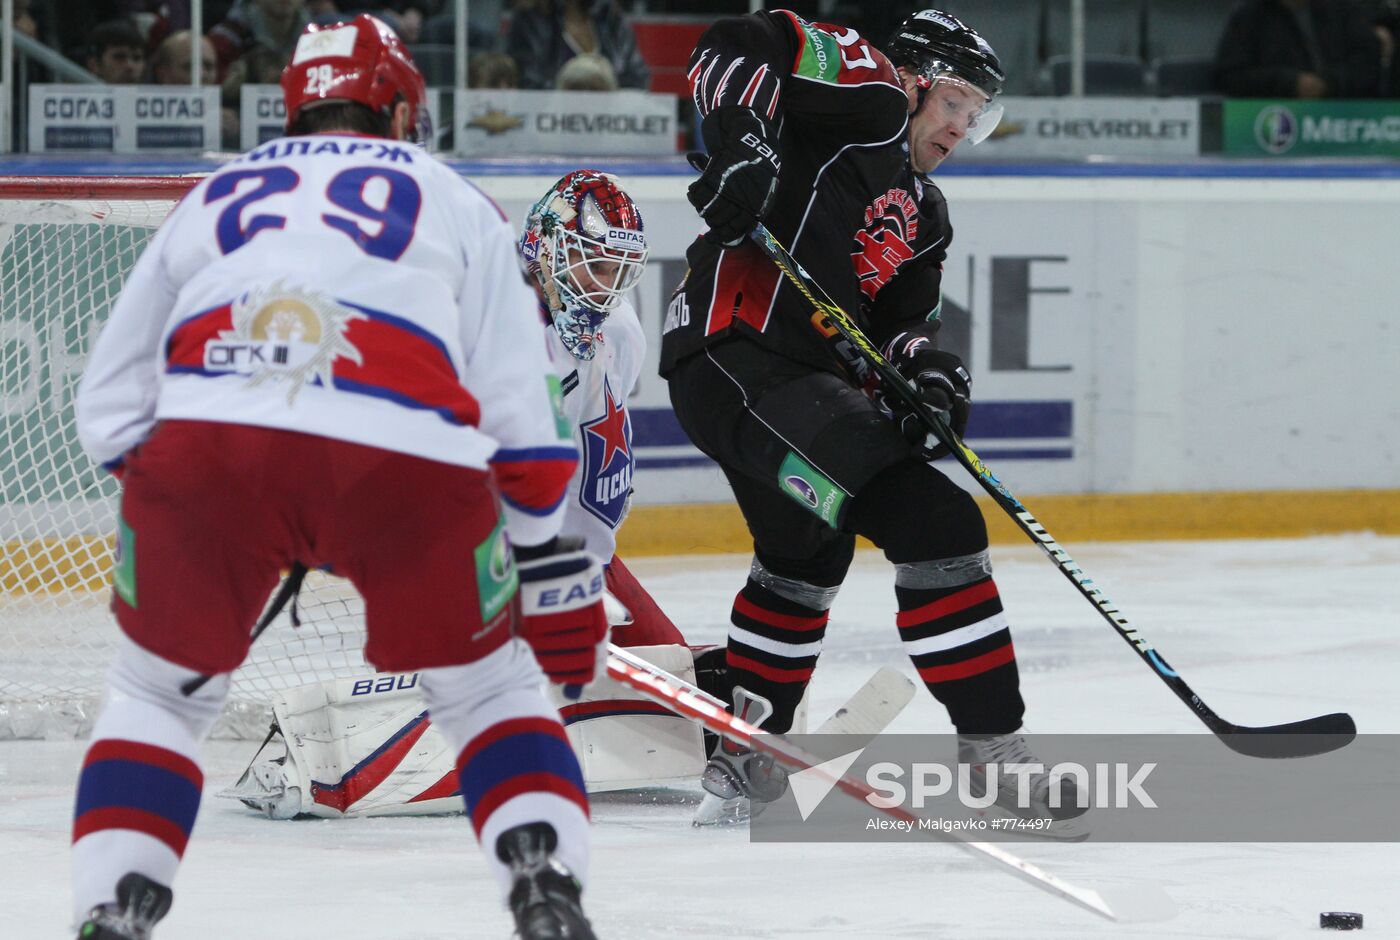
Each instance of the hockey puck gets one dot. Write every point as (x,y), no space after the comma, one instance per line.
(1339,920)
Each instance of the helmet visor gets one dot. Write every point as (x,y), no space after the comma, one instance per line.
(964,105)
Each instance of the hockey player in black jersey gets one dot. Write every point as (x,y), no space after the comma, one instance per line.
(827,140)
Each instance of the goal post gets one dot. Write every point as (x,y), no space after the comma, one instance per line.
(66,245)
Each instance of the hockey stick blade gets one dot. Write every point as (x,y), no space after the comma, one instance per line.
(1328,732)
(1305,738)
(874,705)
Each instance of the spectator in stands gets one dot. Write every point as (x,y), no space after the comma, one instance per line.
(23,20)
(410,16)
(117,52)
(275,24)
(1385,14)
(492,70)
(259,66)
(544,34)
(586,72)
(173,61)
(173,64)
(405,17)
(1299,49)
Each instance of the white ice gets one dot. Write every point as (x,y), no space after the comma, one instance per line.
(1265,631)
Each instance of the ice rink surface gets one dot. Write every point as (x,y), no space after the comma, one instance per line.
(1265,631)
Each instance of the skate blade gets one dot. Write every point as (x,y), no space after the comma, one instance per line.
(715,811)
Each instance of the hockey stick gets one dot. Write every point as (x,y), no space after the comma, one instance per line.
(1295,739)
(869,711)
(291,585)
(688,701)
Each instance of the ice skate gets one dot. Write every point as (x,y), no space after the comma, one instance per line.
(140,904)
(740,782)
(1004,750)
(545,896)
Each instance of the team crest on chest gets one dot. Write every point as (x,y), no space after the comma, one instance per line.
(885,242)
(284,334)
(607,460)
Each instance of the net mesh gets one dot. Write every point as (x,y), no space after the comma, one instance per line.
(62,263)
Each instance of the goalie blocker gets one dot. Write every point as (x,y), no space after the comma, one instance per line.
(365,747)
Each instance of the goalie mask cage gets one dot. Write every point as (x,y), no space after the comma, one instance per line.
(66,245)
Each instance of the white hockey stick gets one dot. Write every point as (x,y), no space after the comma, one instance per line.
(689,701)
(869,711)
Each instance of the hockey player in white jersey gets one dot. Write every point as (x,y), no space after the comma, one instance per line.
(328,357)
(585,243)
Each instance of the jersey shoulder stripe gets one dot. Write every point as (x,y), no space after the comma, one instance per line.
(837,55)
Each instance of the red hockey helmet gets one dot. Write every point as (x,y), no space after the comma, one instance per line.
(361,61)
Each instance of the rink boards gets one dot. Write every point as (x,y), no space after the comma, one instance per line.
(1188,350)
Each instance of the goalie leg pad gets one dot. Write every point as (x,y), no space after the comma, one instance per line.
(363,746)
(514,760)
(625,741)
(140,785)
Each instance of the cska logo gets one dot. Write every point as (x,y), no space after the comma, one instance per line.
(607,461)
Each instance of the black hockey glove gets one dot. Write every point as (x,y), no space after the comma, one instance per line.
(740,175)
(943,383)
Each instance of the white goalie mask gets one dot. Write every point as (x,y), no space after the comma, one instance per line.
(584,243)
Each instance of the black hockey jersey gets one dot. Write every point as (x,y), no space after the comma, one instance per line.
(848,206)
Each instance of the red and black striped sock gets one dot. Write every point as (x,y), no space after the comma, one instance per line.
(773,647)
(959,641)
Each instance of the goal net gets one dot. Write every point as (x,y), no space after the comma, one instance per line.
(65,248)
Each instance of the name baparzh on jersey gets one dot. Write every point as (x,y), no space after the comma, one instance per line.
(573,122)
(1113,128)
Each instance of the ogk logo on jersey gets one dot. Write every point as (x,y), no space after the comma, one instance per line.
(607,461)
(284,334)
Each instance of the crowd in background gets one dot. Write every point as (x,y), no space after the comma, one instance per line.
(125,41)
(1260,48)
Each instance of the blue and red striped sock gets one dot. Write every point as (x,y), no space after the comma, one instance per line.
(136,806)
(515,758)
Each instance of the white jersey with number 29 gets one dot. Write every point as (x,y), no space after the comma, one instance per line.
(346,286)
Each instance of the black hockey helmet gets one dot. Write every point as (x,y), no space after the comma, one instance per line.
(933,45)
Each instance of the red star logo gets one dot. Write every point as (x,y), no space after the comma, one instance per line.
(611,427)
(530,247)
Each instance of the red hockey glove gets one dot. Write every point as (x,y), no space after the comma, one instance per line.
(561,602)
